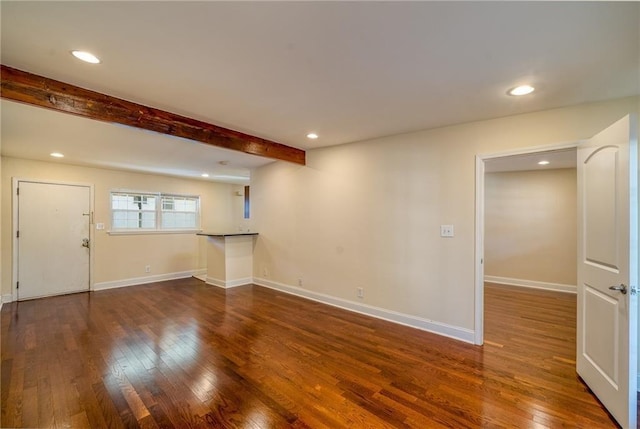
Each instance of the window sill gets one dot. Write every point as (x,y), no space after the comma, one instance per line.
(153,231)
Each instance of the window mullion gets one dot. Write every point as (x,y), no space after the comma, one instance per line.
(159,212)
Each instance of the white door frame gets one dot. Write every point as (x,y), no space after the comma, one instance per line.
(479,228)
(15,181)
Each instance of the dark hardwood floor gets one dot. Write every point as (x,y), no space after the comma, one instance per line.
(183,354)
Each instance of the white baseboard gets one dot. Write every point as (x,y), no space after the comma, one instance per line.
(558,287)
(143,280)
(201,274)
(229,283)
(5,299)
(462,334)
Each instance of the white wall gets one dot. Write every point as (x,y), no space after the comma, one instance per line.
(119,258)
(367,214)
(531,227)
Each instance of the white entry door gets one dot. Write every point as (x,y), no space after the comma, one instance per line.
(608,270)
(53,222)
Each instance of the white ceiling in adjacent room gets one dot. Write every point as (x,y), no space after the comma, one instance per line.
(563,158)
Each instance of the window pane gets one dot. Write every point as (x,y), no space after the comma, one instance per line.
(179,220)
(148,220)
(190,205)
(180,204)
(132,222)
(132,202)
(149,203)
(119,220)
(190,220)
(167,204)
(117,201)
(168,220)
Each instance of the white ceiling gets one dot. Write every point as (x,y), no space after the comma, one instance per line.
(564,158)
(33,133)
(347,70)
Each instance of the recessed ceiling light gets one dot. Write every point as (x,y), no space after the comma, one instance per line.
(56,155)
(87,57)
(543,162)
(312,136)
(204,175)
(521,90)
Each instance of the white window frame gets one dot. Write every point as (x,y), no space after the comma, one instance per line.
(158,229)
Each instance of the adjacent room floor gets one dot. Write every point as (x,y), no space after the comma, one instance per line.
(184,354)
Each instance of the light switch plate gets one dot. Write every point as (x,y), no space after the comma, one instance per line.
(446,230)
(99,226)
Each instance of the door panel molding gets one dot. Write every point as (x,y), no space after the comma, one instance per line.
(600,218)
(608,309)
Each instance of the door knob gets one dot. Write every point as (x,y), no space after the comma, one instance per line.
(621,287)
(85,243)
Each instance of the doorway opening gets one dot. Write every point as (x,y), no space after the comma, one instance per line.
(530,254)
(502,176)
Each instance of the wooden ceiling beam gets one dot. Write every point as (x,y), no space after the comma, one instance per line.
(51,94)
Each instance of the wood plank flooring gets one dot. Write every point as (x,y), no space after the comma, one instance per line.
(186,355)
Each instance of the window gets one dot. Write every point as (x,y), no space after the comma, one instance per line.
(136,211)
(247,203)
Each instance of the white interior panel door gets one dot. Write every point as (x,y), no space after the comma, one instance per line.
(607,269)
(53,222)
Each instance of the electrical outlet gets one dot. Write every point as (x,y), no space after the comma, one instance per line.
(147,268)
(360,292)
(300,282)
(446,230)
(265,272)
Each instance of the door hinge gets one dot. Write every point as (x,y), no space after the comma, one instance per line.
(17,191)
(17,285)
(17,234)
